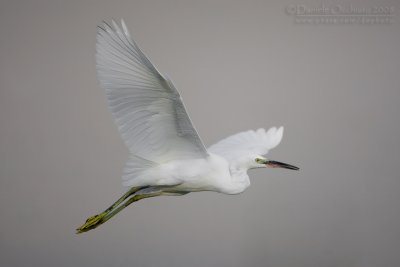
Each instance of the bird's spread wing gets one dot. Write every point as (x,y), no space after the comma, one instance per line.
(248,143)
(147,108)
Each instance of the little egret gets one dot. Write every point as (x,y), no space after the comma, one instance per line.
(167,156)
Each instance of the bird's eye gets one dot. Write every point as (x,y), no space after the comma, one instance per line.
(258,160)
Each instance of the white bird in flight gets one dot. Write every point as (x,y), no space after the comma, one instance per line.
(167,156)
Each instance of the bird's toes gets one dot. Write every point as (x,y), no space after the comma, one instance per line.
(91,223)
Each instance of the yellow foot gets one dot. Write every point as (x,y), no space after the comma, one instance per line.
(91,223)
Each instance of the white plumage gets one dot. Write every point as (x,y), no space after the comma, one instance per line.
(248,143)
(167,156)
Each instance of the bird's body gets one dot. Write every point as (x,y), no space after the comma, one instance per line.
(212,173)
(167,156)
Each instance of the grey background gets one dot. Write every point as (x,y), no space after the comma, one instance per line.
(238,65)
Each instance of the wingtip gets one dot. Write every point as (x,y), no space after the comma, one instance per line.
(125,28)
(281,130)
(275,136)
(101,26)
(114,24)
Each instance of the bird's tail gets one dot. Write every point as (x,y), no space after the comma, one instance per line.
(120,204)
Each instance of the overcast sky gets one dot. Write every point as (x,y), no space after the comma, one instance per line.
(239,65)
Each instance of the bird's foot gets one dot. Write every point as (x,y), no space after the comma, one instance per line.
(91,223)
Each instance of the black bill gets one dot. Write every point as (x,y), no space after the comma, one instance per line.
(277,164)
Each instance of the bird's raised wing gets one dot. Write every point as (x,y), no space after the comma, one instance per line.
(147,108)
(251,142)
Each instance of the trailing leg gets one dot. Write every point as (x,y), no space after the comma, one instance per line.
(96,220)
(136,197)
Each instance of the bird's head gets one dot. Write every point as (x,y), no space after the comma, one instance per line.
(256,161)
(262,162)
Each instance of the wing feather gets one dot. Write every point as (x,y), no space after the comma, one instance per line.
(248,143)
(147,108)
